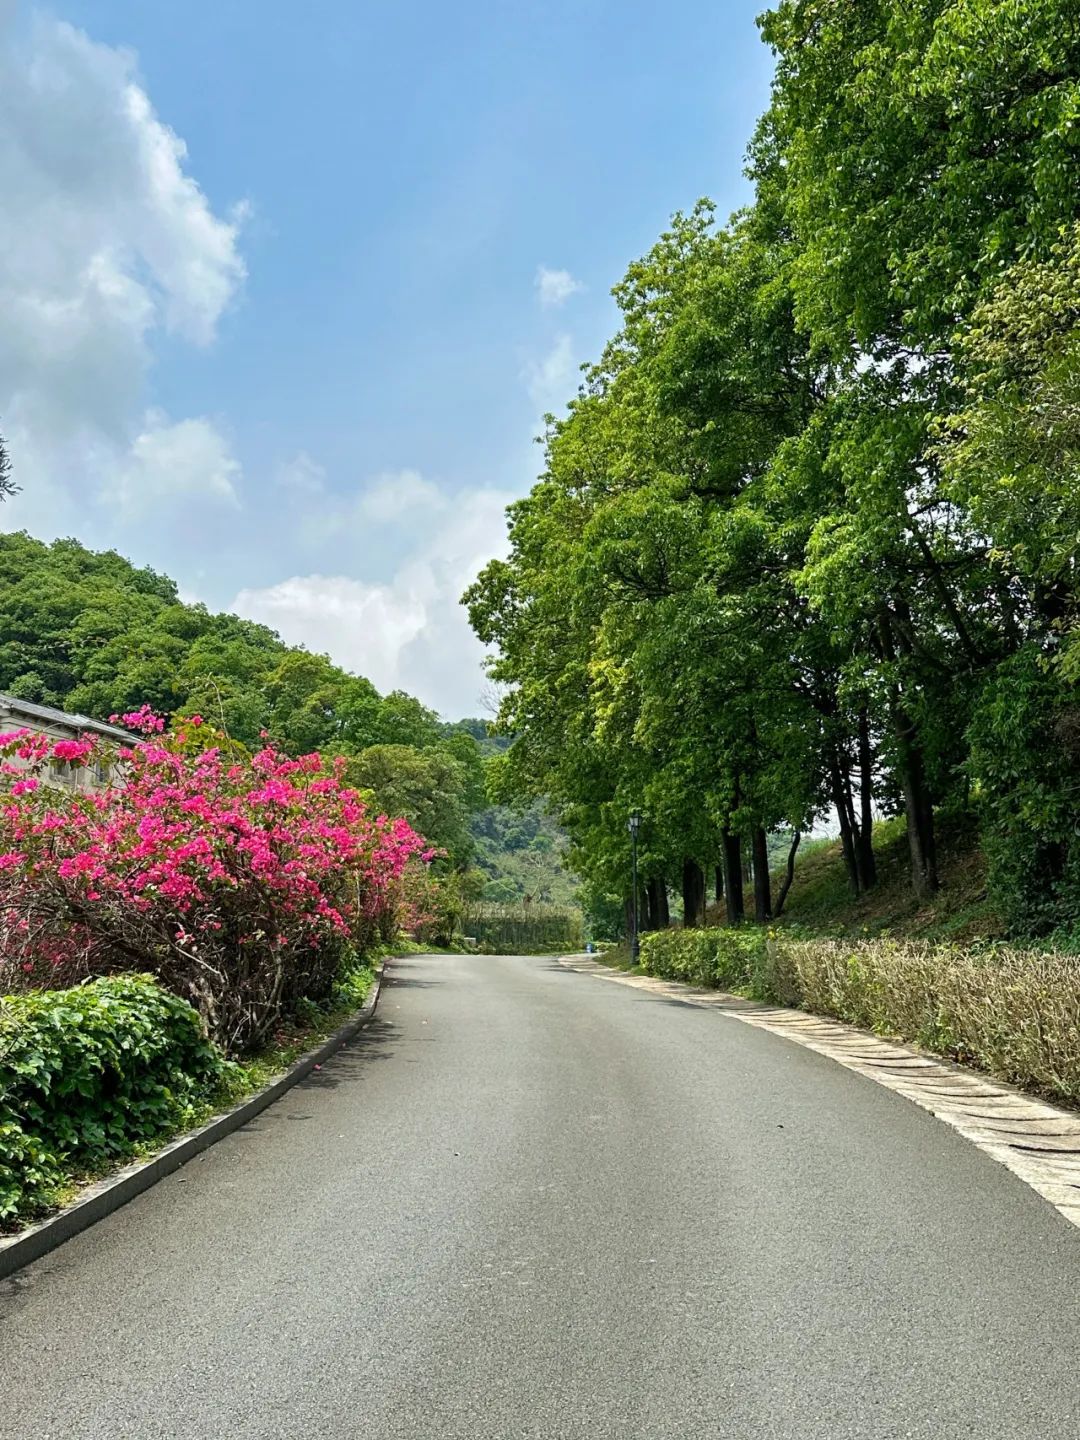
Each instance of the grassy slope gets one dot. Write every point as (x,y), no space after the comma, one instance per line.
(821,900)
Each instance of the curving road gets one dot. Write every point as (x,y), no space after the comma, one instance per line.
(530,1203)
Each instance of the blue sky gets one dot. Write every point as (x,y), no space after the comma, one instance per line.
(274,277)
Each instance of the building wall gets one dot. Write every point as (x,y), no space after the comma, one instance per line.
(60,774)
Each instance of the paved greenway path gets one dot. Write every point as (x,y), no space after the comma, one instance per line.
(531,1203)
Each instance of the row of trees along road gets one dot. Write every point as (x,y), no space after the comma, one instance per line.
(806,541)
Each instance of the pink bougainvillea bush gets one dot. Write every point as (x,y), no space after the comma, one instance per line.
(243,882)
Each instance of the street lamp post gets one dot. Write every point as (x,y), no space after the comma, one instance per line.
(634,825)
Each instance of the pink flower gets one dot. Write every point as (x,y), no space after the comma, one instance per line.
(72,749)
(273,854)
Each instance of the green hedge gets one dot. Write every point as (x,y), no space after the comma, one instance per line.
(725,959)
(1013,1013)
(87,1075)
(523,929)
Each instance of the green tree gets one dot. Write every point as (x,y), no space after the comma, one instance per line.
(7,484)
(428,787)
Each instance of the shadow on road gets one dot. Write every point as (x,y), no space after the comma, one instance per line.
(374,1042)
(409,982)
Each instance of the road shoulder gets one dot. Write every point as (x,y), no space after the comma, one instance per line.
(1037,1141)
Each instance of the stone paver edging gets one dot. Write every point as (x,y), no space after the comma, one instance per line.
(102,1198)
(1037,1141)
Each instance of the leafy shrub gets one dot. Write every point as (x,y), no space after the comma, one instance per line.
(89,1073)
(727,958)
(243,882)
(1026,778)
(1013,1013)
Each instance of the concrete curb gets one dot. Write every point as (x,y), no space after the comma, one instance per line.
(105,1196)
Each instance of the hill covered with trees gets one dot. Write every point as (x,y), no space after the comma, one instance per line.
(90,632)
(807,543)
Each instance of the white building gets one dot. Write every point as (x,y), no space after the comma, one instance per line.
(18,714)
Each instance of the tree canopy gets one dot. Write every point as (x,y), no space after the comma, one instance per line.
(805,542)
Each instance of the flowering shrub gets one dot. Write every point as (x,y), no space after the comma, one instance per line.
(242,882)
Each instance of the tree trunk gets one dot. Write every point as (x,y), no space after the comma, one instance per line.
(762,893)
(841,796)
(656,904)
(918,809)
(733,886)
(719,883)
(789,876)
(867,861)
(918,806)
(693,891)
(853,825)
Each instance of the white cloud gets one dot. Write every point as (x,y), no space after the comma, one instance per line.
(551,381)
(555,287)
(409,632)
(302,475)
(183,464)
(394,494)
(364,627)
(106,241)
(384,502)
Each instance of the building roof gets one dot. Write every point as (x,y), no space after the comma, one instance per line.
(32,711)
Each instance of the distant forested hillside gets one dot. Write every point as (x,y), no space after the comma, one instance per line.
(521,850)
(521,853)
(90,632)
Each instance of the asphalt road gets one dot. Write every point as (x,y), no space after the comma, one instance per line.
(531,1203)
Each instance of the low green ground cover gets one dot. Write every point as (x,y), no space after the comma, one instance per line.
(96,1074)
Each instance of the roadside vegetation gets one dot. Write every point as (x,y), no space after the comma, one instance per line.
(804,548)
(107,1071)
(1011,1012)
(252,892)
(248,893)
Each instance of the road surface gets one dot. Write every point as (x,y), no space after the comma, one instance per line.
(533,1203)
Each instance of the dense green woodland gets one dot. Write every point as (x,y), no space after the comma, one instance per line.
(90,632)
(806,543)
